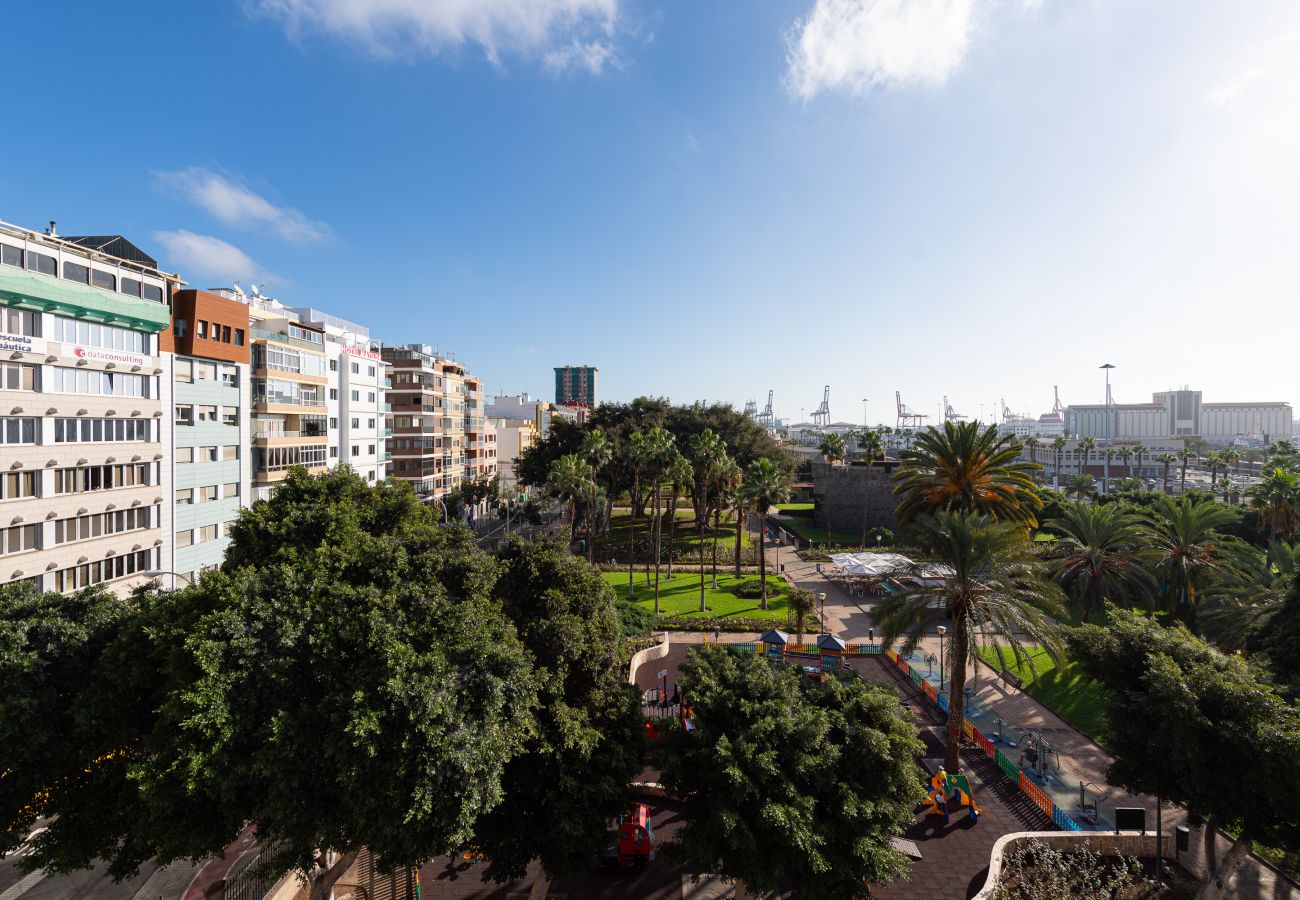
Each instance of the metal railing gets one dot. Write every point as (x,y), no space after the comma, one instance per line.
(252,877)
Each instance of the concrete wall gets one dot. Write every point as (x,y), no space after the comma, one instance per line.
(849,490)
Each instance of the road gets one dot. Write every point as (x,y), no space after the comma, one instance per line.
(151,883)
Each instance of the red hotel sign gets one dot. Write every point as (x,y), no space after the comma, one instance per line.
(356,351)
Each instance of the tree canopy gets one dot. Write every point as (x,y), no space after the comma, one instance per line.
(787,782)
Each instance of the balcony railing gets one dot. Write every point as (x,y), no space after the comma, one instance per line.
(289,401)
(272,434)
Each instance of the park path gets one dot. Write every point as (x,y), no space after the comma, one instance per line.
(849,618)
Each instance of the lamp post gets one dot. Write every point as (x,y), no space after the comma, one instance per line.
(864,412)
(159,573)
(942,631)
(821,596)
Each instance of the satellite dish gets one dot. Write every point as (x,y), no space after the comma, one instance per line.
(256,292)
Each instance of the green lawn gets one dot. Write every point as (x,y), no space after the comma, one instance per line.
(681,596)
(793,507)
(686,540)
(818,535)
(1066,690)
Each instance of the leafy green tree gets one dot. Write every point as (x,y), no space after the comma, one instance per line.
(1240,605)
(1280,642)
(764,484)
(1197,727)
(597,452)
(787,783)
(873,449)
(831,448)
(1276,498)
(346,680)
(1096,557)
(965,467)
(1184,550)
(995,596)
(585,746)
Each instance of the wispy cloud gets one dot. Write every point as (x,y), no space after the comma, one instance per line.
(562,33)
(692,143)
(233,203)
(203,255)
(1270,68)
(857,46)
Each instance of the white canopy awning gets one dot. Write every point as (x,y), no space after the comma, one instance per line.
(873,564)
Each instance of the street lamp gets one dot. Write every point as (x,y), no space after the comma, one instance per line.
(822,597)
(864,412)
(942,631)
(159,573)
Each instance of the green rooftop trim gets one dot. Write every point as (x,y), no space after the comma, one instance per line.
(81,301)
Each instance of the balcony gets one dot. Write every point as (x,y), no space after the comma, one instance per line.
(262,403)
(386,432)
(265,335)
(267,436)
(385,456)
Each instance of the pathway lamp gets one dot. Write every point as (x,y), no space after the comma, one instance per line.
(942,631)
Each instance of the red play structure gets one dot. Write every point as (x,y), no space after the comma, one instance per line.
(636,840)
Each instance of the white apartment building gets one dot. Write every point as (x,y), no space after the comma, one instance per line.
(513,437)
(355,402)
(82,431)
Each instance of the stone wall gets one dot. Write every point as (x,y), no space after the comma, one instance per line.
(850,488)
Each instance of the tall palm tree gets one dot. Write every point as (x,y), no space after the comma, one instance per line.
(995,596)
(1139,451)
(1084,450)
(1241,604)
(707,450)
(1167,459)
(1125,454)
(597,452)
(634,453)
(1183,549)
(1030,447)
(681,475)
(968,467)
(659,458)
(567,478)
(1214,460)
(1231,456)
(873,448)
(1081,485)
(1187,453)
(1058,453)
(1277,499)
(832,450)
(1095,558)
(725,479)
(732,480)
(765,483)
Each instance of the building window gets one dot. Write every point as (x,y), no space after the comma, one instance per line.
(207,454)
(99,571)
(207,413)
(17,431)
(371,451)
(356,396)
(202,330)
(106,384)
(184,455)
(131,286)
(39,262)
(184,538)
(207,493)
(371,423)
(19,377)
(230,376)
(334,452)
(151,292)
(205,371)
(356,368)
(18,485)
(334,394)
(19,539)
(230,415)
(239,337)
(184,414)
(11,256)
(230,489)
(356,422)
(225,334)
(20,321)
(84,479)
(371,396)
(334,422)
(101,279)
(184,371)
(76,272)
(207,533)
(82,528)
(230,451)
(107,337)
(334,365)
(356,449)
(371,371)
(185,497)
(180,327)
(96,431)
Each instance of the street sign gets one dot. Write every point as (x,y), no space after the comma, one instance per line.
(663,673)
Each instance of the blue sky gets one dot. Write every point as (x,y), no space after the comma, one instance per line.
(978,198)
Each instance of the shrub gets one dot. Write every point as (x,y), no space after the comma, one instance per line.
(1036,871)
(751,590)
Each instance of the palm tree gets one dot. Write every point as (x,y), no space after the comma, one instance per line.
(1095,558)
(567,478)
(597,452)
(965,466)
(1277,499)
(832,450)
(1139,451)
(1186,454)
(1215,461)
(1084,450)
(995,596)
(1240,606)
(634,453)
(681,475)
(725,482)
(872,448)
(1031,446)
(1183,550)
(1058,453)
(707,450)
(1125,453)
(800,604)
(1081,485)
(1230,456)
(732,480)
(1168,459)
(659,457)
(765,483)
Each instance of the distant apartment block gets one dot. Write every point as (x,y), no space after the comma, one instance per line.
(208,392)
(441,437)
(83,436)
(576,386)
(1181,413)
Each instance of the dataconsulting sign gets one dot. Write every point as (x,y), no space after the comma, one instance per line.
(21,343)
(113,356)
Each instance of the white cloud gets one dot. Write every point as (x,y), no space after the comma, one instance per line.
(860,45)
(234,204)
(1270,68)
(562,33)
(692,143)
(193,254)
